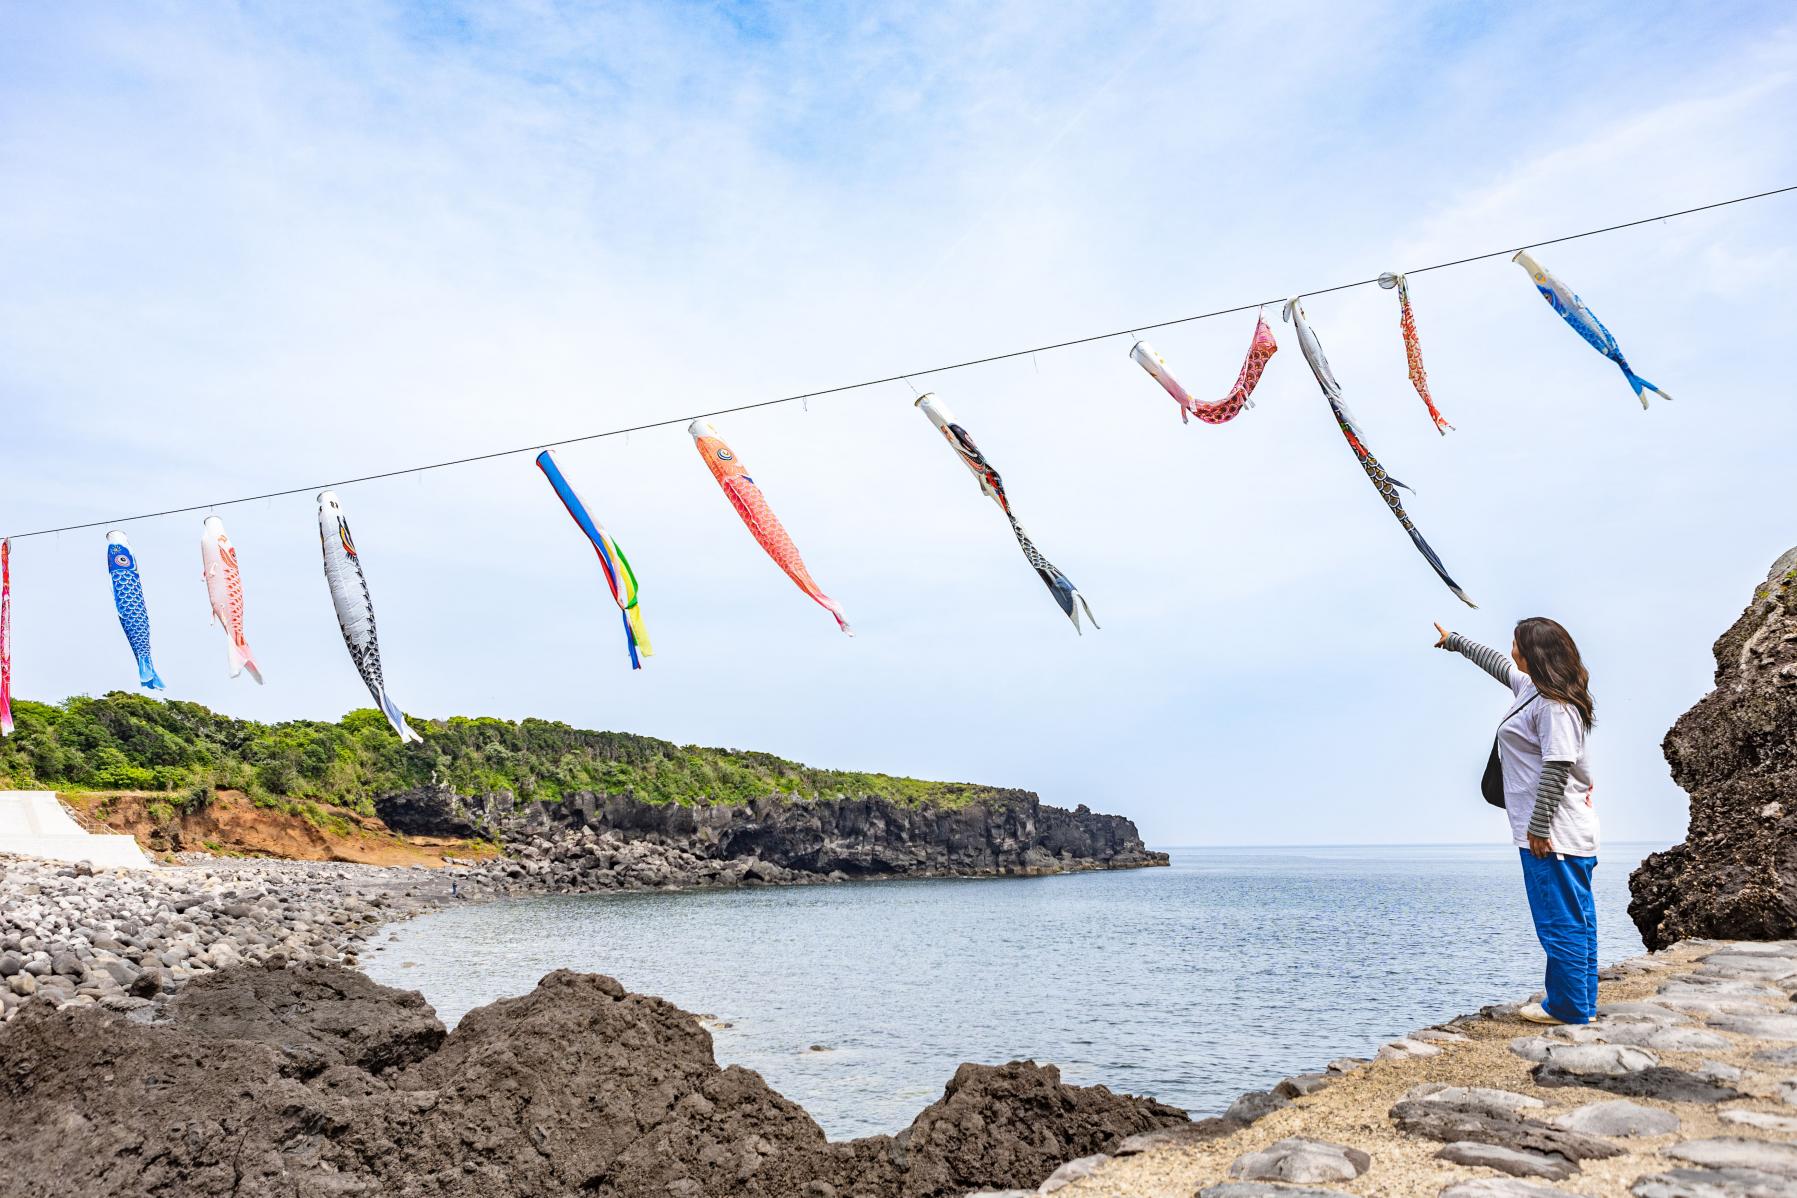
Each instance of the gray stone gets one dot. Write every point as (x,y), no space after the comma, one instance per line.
(1764,1120)
(1071,1172)
(67,965)
(1404,1048)
(22,984)
(1686,1039)
(1652,1012)
(1749,965)
(1618,1117)
(1730,1152)
(1346,1064)
(1255,1104)
(1532,1048)
(1503,1187)
(1301,1161)
(1477,1097)
(1725,1005)
(1453,1122)
(1777,1056)
(1513,1161)
(1599,1060)
(10,963)
(1713,1183)
(1762,1026)
(1260,1189)
(1698,986)
(1717,1071)
(1302,1084)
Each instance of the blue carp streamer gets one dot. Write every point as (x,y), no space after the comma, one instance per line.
(1573,311)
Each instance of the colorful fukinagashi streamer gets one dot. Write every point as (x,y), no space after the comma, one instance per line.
(128,598)
(355,610)
(224,591)
(618,574)
(1260,350)
(1573,311)
(1382,482)
(5,638)
(1413,349)
(752,506)
(1058,584)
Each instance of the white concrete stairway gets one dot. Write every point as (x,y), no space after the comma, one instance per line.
(34,824)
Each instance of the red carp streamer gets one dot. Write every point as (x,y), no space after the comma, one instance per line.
(1260,350)
(1413,349)
(749,503)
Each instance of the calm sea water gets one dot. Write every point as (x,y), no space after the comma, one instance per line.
(1227,971)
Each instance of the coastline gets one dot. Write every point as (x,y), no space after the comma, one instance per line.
(326,913)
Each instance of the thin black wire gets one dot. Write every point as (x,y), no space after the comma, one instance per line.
(904,377)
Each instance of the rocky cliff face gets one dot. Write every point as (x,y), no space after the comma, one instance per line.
(313,1080)
(1735,753)
(852,837)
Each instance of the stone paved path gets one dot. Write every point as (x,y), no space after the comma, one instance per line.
(1684,1087)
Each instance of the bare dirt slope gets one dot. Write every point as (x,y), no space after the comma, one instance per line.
(231,825)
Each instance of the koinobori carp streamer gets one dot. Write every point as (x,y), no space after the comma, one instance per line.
(1413,349)
(1573,311)
(618,574)
(128,598)
(224,591)
(5,638)
(1382,482)
(1063,590)
(355,610)
(1261,349)
(752,506)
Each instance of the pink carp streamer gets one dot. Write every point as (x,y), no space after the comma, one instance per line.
(1260,351)
(5,638)
(1413,349)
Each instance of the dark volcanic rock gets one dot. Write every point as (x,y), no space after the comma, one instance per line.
(316,1081)
(1013,833)
(1456,1122)
(311,1012)
(1656,1081)
(1735,753)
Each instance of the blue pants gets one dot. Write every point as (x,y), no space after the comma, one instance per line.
(1566,924)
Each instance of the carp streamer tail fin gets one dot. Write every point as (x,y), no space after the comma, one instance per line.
(834,608)
(239,656)
(147,675)
(394,716)
(1441,571)
(1641,385)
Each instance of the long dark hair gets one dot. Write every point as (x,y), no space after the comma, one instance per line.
(1555,666)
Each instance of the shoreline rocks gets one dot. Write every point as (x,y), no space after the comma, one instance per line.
(1014,834)
(1735,754)
(254,1079)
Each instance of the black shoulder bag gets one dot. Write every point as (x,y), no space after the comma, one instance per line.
(1492,784)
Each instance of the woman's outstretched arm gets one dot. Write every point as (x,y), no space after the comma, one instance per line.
(1483,656)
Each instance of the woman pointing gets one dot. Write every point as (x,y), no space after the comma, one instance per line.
(1547,795)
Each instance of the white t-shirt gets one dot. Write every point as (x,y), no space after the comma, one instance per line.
(1546,730)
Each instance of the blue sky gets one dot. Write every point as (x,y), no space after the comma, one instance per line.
(260,247)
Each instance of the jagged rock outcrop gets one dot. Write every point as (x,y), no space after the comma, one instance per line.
(1735,753)
(856,837)
(579,1087)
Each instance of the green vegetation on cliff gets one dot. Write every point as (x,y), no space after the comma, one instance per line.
(125,741)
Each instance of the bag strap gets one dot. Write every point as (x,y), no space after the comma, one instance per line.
(1517,710)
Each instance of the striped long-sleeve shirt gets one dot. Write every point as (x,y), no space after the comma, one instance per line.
(1550,791)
